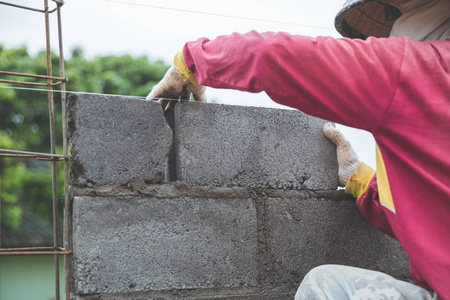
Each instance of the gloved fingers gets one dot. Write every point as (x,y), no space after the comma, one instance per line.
(198,91)
(335,135)
(164,91)
(174,87)
(329,131)
(153,95)
(185,95)
(195,88)
(171,86)
(348,159)
(200,97)
(169,103)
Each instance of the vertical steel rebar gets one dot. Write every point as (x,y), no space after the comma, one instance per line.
(66,162)
(53,148)
(55,251)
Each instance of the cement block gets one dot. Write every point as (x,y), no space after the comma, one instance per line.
(305,233)
(193,295)
(116,138)
(145,244)
(224,145)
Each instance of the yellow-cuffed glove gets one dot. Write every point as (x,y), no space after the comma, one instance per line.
(353,174)
(178,84)
(347,158)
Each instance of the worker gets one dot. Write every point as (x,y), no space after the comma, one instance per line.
(389,75)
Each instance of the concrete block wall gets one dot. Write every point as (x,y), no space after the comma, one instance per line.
(208,202)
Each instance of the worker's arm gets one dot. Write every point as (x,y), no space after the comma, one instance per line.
(359,180)
(370,206)
(351,82)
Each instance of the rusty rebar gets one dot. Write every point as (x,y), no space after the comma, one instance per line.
(28,8)
(56,253)
(51,110)
(30,249)
(23,82)
(17,153)
(65,152)
(66,162)
(51,82)
(32,75)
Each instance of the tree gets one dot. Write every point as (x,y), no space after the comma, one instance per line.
(25,184)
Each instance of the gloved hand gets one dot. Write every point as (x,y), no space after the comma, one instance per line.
(347,158)
(178,84)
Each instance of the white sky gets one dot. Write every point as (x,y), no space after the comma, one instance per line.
(102,27)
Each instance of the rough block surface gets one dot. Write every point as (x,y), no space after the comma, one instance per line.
(253,208)
(306,233)
(144,244)
(224,145)
(116,139)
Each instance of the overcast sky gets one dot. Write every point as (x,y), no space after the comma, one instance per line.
(159,29)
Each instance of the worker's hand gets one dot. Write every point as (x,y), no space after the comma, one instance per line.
(175,87)
(347,158)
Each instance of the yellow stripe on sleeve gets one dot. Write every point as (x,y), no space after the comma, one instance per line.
(384,189)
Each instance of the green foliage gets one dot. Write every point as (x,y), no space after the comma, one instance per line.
(24,123)
(11,212)
(122,75)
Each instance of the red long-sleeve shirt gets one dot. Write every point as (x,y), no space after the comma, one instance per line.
(396,88)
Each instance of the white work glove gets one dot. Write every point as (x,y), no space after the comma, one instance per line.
(175,87)
(347,158)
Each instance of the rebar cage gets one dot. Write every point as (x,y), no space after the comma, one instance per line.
(51,82)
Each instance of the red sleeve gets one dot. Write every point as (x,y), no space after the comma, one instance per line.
(418,280)
(351,82)
(371,208)
(369,205)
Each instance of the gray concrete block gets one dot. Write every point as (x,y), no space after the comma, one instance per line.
(224,145)
(188,295)
(153,244)
(305,233)
(116,138)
